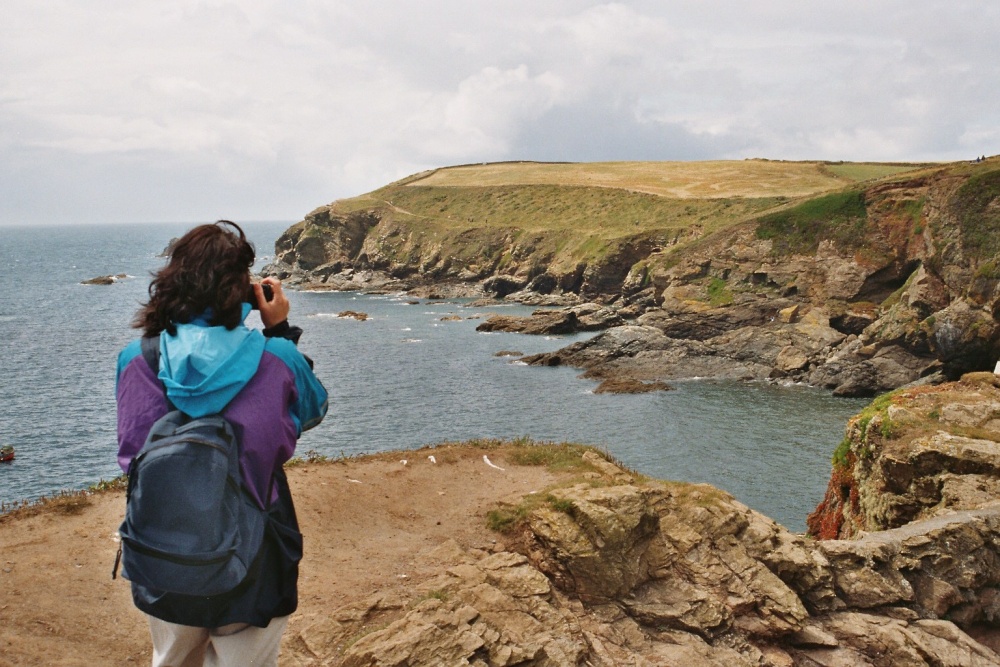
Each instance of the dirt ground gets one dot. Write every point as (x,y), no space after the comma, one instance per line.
(364,521)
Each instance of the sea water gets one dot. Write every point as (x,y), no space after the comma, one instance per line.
(414,373)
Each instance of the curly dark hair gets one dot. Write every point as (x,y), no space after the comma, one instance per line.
(208,272)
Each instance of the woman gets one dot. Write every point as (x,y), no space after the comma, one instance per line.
(210,362)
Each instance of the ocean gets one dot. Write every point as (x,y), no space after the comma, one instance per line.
(414,373)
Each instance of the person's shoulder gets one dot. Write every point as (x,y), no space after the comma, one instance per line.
(130,352)
(285,350)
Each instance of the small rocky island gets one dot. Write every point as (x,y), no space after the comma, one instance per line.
(105,280)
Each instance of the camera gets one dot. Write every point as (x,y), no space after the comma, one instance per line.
(252,296)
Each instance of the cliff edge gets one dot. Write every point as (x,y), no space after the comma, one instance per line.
(502,554)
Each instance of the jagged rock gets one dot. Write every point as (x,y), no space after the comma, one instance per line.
(501,286)
(582,317)
(530,298)
(923,299)
(683,316)
(965,338)
(104,280)
(625,386)
(852,321)
(597,542)
(539,323)
(643,352)
(790,359)
(169,248)
(789,315)
(594,317)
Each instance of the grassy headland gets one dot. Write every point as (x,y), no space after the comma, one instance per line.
(566,213)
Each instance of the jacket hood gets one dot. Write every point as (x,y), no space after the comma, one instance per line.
(203,367)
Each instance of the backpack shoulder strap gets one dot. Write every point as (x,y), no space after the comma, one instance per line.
(150,346)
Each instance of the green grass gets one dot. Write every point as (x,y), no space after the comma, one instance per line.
(887,429)
(990,269)
(973,204)
(555,456)
(840,455)
(311,456)
(840,217)
(718,293)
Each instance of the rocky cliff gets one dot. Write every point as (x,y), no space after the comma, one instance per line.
(862,290)
(616,569)
(915,454)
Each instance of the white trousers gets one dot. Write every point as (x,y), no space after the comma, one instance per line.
(236,645)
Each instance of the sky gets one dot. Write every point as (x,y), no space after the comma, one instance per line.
(194,110)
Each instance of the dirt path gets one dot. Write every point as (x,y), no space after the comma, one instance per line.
(364,521)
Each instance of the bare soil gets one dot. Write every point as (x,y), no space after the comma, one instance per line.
(364,520)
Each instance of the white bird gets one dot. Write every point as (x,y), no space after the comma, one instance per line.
(490,463)
(432,459)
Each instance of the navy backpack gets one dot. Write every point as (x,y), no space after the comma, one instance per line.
(191,527)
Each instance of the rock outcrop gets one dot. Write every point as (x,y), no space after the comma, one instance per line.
(570,319)
(619,570)
(915,454)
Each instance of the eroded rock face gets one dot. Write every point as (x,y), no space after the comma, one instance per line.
(623,571)
(915,454)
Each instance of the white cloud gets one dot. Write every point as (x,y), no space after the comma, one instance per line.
(263,109)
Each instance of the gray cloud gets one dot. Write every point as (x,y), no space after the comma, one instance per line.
(196,109)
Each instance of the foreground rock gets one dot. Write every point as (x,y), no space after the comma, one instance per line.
(626,571)
(915,454)
(598,565)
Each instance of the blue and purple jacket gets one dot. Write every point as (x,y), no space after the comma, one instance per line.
(264,386)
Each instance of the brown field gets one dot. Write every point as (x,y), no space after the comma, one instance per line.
(680,180)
